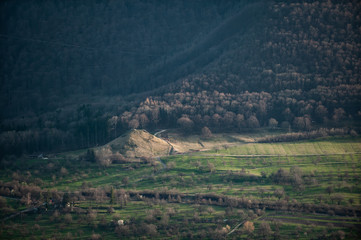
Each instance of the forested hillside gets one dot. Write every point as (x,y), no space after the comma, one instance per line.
(61,60)
(298,66)
(56,49)
(79,73)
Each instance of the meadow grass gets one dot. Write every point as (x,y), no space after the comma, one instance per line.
(320,147)
(233,172)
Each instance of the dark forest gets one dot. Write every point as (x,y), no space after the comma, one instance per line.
(78,74)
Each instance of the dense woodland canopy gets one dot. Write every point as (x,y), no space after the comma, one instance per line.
(79,73)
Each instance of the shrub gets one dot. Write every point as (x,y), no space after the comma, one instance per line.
(96,236)
(248,227)
(206,133)
(68,218)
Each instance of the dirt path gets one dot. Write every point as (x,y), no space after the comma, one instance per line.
(161,131)
(236,227)
(31,209)
(161,162)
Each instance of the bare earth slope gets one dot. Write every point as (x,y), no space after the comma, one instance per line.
(139,143)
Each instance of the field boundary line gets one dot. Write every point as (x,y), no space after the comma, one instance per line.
(277,155)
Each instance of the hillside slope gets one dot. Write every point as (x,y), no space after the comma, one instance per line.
(58,50)
(234,66)
(139,143)
(299,66)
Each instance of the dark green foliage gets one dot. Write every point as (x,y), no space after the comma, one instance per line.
(112,196)
(65,200)
(90,155)
(61,49)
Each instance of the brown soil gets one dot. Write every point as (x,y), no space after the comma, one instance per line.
(139,143)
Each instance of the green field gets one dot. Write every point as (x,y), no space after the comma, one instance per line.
(320,147)
(300,190)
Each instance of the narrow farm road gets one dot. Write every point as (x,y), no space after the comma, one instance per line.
(161,162)
(161,131)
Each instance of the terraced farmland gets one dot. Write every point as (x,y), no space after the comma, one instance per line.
(301,190)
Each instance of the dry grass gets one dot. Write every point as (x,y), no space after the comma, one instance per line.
(139,143)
